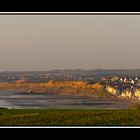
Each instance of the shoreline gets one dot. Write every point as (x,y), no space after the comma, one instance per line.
(60,101)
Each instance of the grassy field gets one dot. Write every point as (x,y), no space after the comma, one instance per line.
(38,117)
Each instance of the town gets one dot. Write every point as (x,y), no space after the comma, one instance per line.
(119,83)
(123,86)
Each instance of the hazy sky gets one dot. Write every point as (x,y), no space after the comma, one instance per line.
(46,42)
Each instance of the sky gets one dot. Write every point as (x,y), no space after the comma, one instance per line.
(47,42)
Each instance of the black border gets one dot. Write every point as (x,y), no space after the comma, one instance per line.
(70,6)
(69,13)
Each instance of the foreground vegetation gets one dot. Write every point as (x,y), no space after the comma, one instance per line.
(40,117)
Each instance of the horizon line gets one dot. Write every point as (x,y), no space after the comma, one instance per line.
(67,69)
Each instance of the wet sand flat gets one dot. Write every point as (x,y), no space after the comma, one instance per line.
(13,99)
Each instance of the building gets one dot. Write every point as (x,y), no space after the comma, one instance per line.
(132,82)
(111,90)
(137,94)
(114,78)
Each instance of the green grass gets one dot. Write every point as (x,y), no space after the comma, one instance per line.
(41,117)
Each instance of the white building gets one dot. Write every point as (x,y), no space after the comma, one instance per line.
(132,82)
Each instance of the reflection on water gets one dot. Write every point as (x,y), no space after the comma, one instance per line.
(10,99)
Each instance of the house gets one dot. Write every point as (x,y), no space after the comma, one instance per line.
(128,93)
(132,82)
(111,89)
(137,93)
(121,79)
(114,78)
(136,78)
(123,94)
(125,80)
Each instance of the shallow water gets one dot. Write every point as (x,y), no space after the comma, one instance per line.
(14,99)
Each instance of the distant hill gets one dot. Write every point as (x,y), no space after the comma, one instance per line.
(118,71)
(66,74)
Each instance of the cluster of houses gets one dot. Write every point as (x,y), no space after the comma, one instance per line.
(124,87)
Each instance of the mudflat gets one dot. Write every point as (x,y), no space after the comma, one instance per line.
(18,100)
